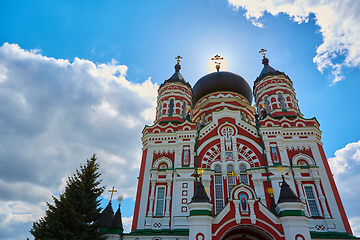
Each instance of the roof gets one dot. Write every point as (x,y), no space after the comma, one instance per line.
(200,194)
(221,81)
(267,70)
(117,222)
(286,193)
(177,77)
(106,216)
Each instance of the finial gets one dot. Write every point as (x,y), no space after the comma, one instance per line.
(216,58)
(199,171)
(178,59)
(262,51)
(120,198)
(112,192)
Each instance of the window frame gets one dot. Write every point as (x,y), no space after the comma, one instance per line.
(157,200)
(220,191)
(243,174)
(316,200)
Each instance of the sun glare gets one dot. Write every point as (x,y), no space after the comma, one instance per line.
(224,64)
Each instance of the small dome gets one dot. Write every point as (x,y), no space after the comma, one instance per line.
(221,81)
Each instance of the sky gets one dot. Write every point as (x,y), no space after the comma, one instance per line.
(81,77)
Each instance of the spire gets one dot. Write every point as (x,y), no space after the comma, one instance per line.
(177,77)
(117,222)
(267,70)
(106,216)
(200,194)
(286,194)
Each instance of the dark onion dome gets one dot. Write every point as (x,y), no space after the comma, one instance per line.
(177,77)
(267,70)
(221,81)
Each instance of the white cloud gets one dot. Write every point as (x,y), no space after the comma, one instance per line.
(338,22)
(53,115)
(346,159)
(127,221)
(355,225)
(346,167)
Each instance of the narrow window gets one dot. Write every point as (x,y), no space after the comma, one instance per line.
(160,202)
(230,178)
(243,174)
(219,199)
(311,201)
(281,101)
(184,110)
(267,105)
(171,107)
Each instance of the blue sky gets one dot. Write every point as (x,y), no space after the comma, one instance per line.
(78,77)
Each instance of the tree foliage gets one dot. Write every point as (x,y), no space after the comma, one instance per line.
(73,215)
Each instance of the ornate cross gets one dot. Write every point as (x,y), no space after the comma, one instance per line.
(232,175)
(112,192)
(281,169)
(270,191)
(216,58)
(178,58)
(199,171)
(262,51)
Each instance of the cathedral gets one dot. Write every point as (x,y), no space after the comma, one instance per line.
(215,167)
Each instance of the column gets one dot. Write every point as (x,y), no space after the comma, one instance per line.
(302,197)
(151,198)
(322,198)
(168,198)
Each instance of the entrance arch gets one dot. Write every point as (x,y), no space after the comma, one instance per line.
(247,232)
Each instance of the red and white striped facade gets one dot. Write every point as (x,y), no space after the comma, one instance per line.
(242,159)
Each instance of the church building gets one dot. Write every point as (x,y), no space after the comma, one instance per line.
(214,167)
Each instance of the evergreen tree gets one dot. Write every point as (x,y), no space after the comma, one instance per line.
(74,214)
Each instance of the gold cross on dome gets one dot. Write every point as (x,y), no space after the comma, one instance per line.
(216,58)
(232,175)
(262,51)
(112,192)
(178,58)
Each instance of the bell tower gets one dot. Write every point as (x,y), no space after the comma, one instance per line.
(274,93)
(174,98)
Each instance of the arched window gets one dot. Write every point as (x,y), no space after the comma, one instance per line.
(219,198)
(171,107)
(281,101)
(230,178)
(184,110)
(267,105)
(243,174)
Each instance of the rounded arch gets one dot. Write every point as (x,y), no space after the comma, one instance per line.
(285,124)
(186,128)
(247,232)
(243,188)
(300,124)
(302,156)
(162,159)
(243,162)
(169,130)
(269,124)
